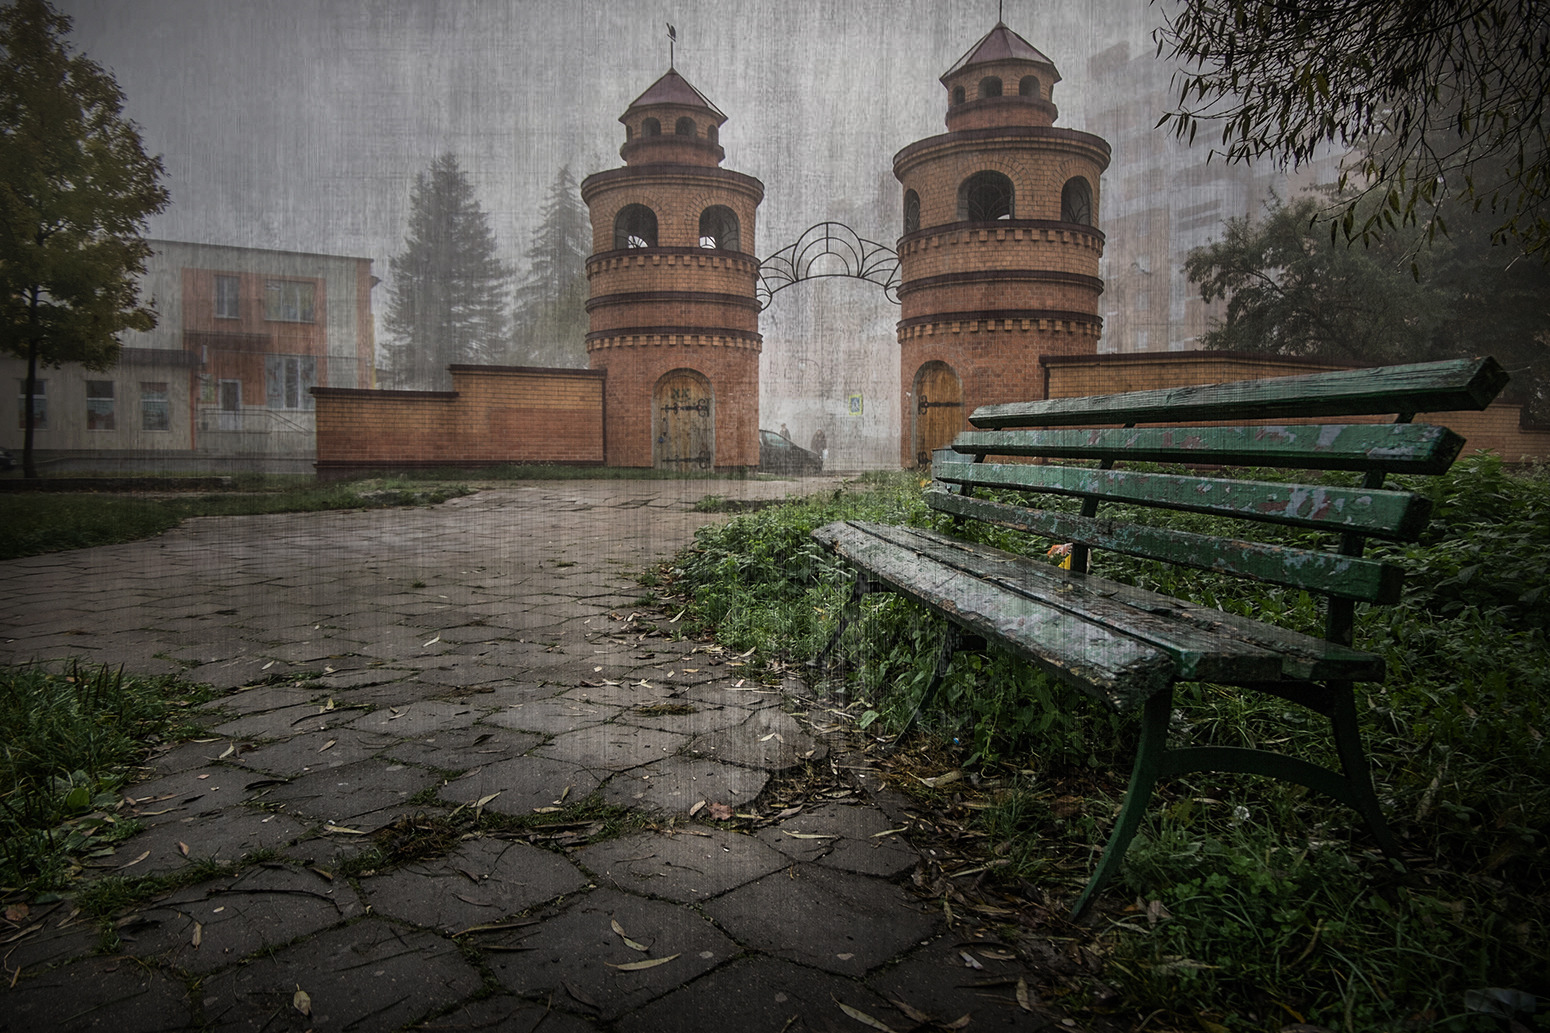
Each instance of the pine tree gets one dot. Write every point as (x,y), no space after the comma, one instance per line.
(76,188)
(448,299)
(551,302)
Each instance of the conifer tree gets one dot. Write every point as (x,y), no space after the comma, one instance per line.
(76,187)
(448,297)
(551,302)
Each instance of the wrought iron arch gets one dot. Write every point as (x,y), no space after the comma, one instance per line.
(863,259)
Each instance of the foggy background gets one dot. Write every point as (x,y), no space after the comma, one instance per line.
(301,124)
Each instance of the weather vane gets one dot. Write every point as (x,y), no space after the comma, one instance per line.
(672,37)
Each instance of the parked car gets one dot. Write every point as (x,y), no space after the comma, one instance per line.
(777,455)
(7,461)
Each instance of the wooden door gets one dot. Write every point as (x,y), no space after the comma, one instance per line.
(683,422)
(938,409)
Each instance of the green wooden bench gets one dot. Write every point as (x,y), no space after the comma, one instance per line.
(1129,647)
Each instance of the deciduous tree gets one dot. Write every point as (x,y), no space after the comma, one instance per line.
(1291,290)
(76,187)
(1438,99)
(448,300)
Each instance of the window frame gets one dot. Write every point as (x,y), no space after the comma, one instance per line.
(232,294)
(155,396)
(975,193)
(101,417)
(39,406)
(279,308)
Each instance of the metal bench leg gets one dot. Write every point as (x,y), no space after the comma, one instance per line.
(1357,770)
(848,614)
(1143,778)
(951,642)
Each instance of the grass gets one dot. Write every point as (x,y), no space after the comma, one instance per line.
(71,742)
(1258,908)
(42,522)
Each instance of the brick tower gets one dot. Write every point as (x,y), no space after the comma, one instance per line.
(674,319)
(999,257)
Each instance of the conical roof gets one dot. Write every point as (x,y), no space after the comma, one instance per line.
(999,44)
(673,88)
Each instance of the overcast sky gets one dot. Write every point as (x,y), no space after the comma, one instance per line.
(300,124)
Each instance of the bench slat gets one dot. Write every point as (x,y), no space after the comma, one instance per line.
(1348,577)
(1115,667)
(1416,448)
(1388,514)
(1446,386)
(1303,658)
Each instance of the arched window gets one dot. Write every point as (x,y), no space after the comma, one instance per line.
(685,127)
(711,134)
(911,211)
(985,197)
(1076,201)
(957,94)
(990,86)
(718,228)
(635,226)
(651,127)
(1028,86)
(629,134)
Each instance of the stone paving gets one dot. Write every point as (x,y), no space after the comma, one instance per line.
(389,671)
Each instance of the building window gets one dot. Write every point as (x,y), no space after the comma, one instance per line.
(1028,86)
(226,295)
(288,301)
(958,95)
(911,211)
(288,381)
(685,127)
(712,133)
(155,413)
(99,405)
(1076,201)
(39,405)
(985,197)
(719,228)
(635,226)
(990,86)
(651,127)
(229,400)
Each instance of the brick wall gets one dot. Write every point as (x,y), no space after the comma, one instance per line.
(634,370)
(1499,428)
(493,414)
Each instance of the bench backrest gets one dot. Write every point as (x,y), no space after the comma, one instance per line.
(1071,447)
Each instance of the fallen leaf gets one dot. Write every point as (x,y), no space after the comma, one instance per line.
(697,808)
(199,934)
(302,1002)
(182,848)
(1024,999)
(137,860)
(636,966)
(913,1013)
(267,666)
(229,751)
(720,811)
(627,941)
(958,1023)
(341,828)
(890,832)
(328,745)
(809,835)
(486,799)
(16,912)
(432,642)
(571,989)
(861,1016)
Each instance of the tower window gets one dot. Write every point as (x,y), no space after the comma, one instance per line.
(719,229)
(985,197)
(1028,86)
(635,226)
(990,86)
(958,95)
(651,127)
(685,127)
(911,211)
(1076,201)
(711,133)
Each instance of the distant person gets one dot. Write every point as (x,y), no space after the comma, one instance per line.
(784,432)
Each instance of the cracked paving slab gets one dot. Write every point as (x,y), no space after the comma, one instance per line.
(688,866)
(480,882)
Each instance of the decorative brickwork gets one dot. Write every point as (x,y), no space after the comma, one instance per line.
(1003,269)
(675,301)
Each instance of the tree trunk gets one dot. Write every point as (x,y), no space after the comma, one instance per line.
(29,464)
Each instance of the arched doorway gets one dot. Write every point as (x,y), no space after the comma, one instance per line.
(938,409)
(683,424)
